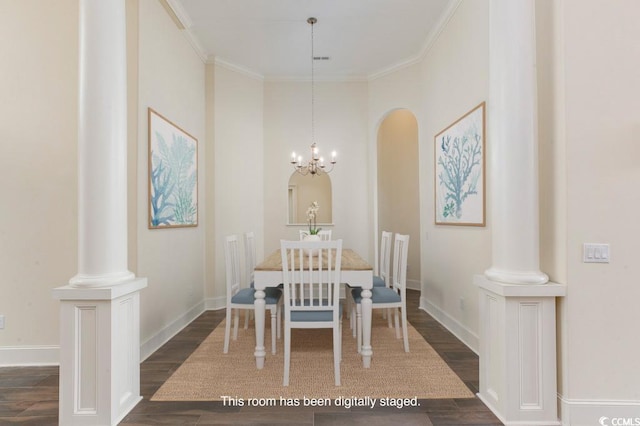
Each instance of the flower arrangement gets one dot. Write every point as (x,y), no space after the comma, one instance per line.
(312,212)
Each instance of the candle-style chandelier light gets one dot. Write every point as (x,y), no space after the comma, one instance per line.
(316,164)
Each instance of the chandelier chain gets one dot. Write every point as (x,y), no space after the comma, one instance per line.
(313,139)
(316,164)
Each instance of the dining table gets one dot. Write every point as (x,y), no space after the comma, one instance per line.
(355,271)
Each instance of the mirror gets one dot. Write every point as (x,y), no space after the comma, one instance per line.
(303,190)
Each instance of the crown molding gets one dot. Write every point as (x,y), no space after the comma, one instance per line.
(175,8)
(432,37)
(184,23)
(320,78)
(177,13)
(224,63)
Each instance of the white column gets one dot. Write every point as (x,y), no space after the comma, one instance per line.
(517,303)
(100,308)
(513,132)
(102,144)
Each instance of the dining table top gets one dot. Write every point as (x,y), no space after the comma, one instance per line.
(351,261)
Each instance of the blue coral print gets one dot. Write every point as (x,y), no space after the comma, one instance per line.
(459,171)
(173,178)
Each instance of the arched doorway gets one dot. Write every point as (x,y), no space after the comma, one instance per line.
(398,184)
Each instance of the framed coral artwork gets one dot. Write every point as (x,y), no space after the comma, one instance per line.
(173,175)
(459,171)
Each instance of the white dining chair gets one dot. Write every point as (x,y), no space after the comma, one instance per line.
(249,257)
(379,280)
(243,298)
(311,276)
(249,265)
(382,279)
(325,235)
(393,297)
(250,261)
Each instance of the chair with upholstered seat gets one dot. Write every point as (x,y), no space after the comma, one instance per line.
(324,235)
(249,266)
(311,276)
(379,280)
(394,297)
(382,279)
(243,298)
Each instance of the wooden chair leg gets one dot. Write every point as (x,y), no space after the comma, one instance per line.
(405,333)
(236,320)
(279,320)
(337,338)
(273,329)
(396,322)
(247,314)
(352,321)
(287,355)
(227,331)
(359,326)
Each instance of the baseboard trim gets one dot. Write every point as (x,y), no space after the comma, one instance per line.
(598,412)
(163,336)
(414,285)
(465,335)
(215,303)
(27,356)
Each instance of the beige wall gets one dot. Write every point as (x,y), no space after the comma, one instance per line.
(451,79)
(341,125)
(172,82)
(238,166)
(602,124)
(398,184)
(38,123)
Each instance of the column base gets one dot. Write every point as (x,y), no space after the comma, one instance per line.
(516,277)
(99,352)
(518,351)
(91,281)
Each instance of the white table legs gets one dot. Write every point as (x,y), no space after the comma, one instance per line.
(260,305)
(366,350)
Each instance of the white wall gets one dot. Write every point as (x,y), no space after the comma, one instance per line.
(340,125)
(602,122)
(450,81)
(38,166)
(172,82)
(238,166)
(456,79)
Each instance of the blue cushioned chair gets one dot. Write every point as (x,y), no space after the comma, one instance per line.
(311,278)
(243,298)
(394,297)
(380,280)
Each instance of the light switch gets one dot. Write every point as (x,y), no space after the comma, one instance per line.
(595,253)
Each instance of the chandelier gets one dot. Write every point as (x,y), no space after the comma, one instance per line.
(316,164)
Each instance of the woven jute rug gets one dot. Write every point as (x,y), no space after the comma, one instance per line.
(210,375)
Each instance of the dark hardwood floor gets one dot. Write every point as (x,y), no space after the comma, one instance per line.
(29,395)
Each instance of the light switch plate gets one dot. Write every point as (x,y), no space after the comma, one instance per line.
(1,322)
(595,253)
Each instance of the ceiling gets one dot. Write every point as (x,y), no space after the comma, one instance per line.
(271,38)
